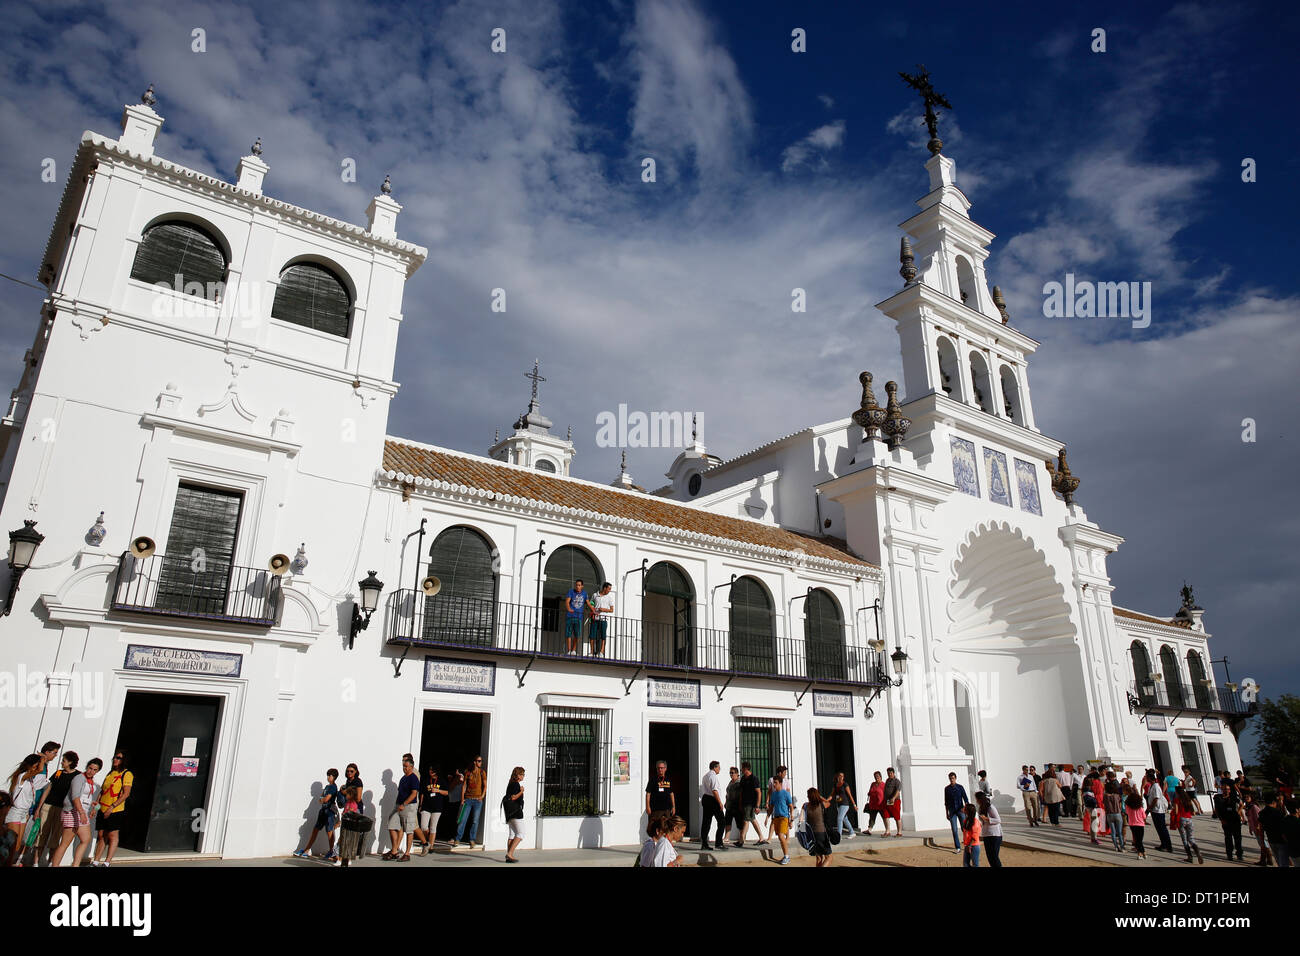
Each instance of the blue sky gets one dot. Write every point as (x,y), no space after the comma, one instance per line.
(775,170)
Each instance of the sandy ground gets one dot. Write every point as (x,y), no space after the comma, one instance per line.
(881,854)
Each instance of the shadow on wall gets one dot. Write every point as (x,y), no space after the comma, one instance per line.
(591,834)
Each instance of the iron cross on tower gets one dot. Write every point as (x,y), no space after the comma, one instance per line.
(535,377)
(921,83)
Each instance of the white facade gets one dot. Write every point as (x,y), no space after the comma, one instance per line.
(131,393)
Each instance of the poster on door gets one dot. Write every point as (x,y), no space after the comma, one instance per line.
(185,767)
(622,766)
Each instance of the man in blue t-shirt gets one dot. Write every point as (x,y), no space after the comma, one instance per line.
(405,815)
(780,803)
(574,602)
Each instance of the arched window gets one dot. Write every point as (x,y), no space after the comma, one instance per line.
(667,635)
(753,633)
(175,248)
(1196,670)
(948,368)
(312,296)
(823,629)
(565,565)
(464,610)
(966,283)
(979,377)
(1173,677)
(1011,396)
(546,465)
(1146,691)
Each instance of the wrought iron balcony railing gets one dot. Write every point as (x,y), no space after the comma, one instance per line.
(526,630)
(1192,698)
(178,587)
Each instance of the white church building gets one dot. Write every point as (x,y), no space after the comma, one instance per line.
(220,560)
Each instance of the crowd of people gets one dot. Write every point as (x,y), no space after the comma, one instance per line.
(51,802)
(1115,805)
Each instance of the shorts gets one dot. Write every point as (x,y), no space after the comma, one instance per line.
(596,634)
(68,818)
(747,815)
(404,818)
(429,820)
(108,822)
(517,831)
(573,627)
(892,811)
(326,820)
(781,826)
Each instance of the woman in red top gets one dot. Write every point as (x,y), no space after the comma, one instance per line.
(875,803)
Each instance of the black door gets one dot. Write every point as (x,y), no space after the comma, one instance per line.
(835,755)
(449,742)
(168,740)
(672,744)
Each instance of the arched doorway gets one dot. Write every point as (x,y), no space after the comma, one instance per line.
(753,630)
(1010,648)
(667,621)
(566,565)
(1173,677)
(464,609)
(1201,691)
(1146,689)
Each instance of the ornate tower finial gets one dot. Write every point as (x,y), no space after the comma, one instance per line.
(895,426)
(1001,303)
(496,436)
(622,463)
(921,83)
(695,431)
(569,436)
(869,415)
(386,187)
(1189,601)
(908,270)
(1063,483)
(257,146)
(147,98)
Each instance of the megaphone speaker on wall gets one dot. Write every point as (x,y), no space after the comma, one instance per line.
(430,586)
(142,547)
(278,564)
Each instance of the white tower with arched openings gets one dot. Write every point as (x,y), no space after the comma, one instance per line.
(956,342)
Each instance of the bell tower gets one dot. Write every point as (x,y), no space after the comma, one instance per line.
(532,444)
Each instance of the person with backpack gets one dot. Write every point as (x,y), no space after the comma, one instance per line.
(513,804)
(112,802)
(1136,816)
(819,840)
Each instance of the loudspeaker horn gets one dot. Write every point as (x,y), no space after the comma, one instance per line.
(278,564)
(142,547)
(430,586)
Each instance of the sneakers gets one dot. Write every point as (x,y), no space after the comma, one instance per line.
(299,853)
(785,860)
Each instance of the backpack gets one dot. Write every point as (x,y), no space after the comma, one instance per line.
(1089,800)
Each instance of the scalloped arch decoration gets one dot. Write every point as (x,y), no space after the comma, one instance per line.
(1002,587)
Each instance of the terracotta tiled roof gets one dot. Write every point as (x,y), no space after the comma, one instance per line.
(1169,622)
(473,472)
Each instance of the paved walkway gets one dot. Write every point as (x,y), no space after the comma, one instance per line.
(1069,838)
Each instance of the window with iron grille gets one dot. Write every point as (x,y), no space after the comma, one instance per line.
(312,296)
(195,574)
(1196,671)
(824,636)
(464,610)
(575,759)
(1173,676)
(753,634)
(765,743)
(169,249)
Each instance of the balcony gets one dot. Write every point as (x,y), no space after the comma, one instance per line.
(1208,699)
(176,587)
(522,630)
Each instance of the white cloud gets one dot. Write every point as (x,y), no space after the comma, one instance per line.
(812,149)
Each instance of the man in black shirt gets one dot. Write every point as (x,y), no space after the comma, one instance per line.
(1227,807)
(751,801)
(1272,818)
(659,797)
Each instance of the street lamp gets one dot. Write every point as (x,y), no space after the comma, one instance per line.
(370,587)
(899,658)
(22,549)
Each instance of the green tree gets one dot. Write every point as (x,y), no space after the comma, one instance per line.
(1278,728)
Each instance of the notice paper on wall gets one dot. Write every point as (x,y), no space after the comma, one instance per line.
(189,746)
(185,767)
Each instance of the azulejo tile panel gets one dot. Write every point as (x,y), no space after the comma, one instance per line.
(965,471)
(997,476)
(1027,486)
